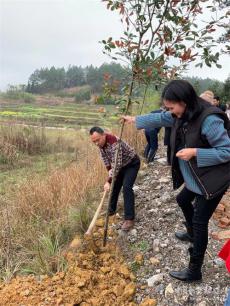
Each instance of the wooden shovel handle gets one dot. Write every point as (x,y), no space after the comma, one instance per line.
(92,224)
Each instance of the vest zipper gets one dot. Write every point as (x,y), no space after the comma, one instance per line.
(194,172)
(199,181)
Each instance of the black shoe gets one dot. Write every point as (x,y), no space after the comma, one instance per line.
(151,155)
(192,273)
(184,236)
(187,275)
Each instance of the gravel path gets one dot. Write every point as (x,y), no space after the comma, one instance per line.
(152,250)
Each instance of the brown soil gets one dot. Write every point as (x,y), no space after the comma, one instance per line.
(96,275)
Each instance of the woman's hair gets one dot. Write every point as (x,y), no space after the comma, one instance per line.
(180,90)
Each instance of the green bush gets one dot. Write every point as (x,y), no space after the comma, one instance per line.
(64,94)
(28,98)
(83,95)
(103,100)
(19,95)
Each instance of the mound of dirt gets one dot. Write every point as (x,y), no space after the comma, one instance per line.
(96,275)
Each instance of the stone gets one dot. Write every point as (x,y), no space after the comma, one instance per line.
(129,291)
(169,290)
(158,187)
(154,261)
(136,188)
(75,244)
(221,235)
(166,197)
(133,232)
(219,262)
(26,292)
(155,279)
(118,290)
(162,161)
(156,243)
(203,303)
(124,271)
(164,180)
(225,221)
(139,259)
(141,174)
(148,302)
(220,208)
(105,269)
(81,283)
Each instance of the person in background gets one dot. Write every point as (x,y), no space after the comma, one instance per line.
(218,104)
(128,165)
(151,136)
(200,159)
(208,96)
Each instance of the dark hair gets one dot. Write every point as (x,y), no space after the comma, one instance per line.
(180,90)
(217,98)
(96,129)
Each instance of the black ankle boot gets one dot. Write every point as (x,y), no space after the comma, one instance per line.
(185,236)
(151,155)
(192,273)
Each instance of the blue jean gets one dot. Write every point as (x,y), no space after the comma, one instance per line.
(152,138)
(152,143)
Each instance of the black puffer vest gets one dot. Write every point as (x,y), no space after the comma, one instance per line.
(212,180)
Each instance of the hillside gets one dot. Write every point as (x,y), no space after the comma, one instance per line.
(52,111)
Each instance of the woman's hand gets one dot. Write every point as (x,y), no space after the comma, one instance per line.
(107,186)
(129,119)
(186,154)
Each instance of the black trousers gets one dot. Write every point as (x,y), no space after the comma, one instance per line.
(126,178)
(197,215)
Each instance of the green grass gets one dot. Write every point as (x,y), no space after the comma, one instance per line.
(68,115)
(142,246)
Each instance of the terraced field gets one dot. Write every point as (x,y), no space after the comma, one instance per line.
(64,115)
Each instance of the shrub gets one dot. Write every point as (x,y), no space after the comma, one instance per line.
(8,153)
(83,94)
(19,95)
(104,100)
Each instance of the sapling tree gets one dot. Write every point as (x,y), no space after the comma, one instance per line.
(160,39)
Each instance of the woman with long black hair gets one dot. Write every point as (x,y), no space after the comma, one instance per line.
(200,158)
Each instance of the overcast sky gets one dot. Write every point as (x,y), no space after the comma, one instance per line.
(45,33)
